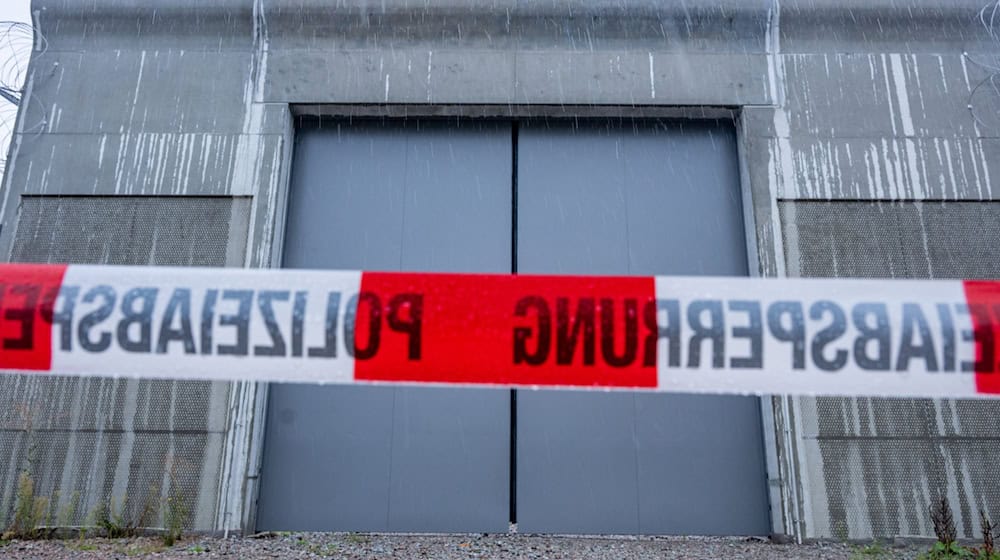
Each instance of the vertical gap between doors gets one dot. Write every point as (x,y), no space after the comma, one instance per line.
(513,269)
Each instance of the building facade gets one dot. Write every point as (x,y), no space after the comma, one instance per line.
(840,138)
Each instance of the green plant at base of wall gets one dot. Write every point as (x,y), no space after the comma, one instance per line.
(868,551)
(30,511)
(946,546)
(175,515)
(175,511)
(942,551)
(112,519)
(81,546)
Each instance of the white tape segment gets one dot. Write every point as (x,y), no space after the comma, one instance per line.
(675,334)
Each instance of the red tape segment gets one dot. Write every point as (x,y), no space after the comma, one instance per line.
(26,296)
(984,309)
(507,330)
(903,338)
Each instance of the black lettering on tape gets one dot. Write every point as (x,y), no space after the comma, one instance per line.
(412,325)
(523,334)
(141,317)
(947,337)
(655,331)
(96,317)
(630,310)
(966,334)
(713,332)
(982,336)
(264,304)
(794,331)
(752,331)
(914,322)
(827,335)
(298,321)
(63,297)
(570,328)
(208,320)
(374,306)
(329,349)
(179,308)
(240,320)
(868,334)
(23,314)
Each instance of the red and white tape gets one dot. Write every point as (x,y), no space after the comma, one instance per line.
(675,334)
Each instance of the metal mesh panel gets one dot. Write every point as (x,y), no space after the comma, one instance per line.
(884,460)
(871,417)
(88,442)
(878,487)
(872,239)
(969,418)
(168,231)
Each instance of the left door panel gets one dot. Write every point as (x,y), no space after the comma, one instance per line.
(393,196)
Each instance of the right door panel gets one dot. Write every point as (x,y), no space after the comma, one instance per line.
(623,197)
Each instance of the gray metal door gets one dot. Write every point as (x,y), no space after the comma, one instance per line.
(416,196)
(625,198)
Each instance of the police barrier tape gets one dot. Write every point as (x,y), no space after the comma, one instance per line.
(677,334)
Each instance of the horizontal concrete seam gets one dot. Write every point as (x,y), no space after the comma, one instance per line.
(931,200)
(147,47)
(508,111)
(875,138)
(955,438)
(137,133)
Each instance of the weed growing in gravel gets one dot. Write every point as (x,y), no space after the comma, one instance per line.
(356,538)
(868,551)
(67,513)
(175,516)
(112,519)
(197,549)
(32,518)
(328,549)
(946,547)
(323,550)
(29,511)
(944,522)
(942,551)
(175,511)
(147,517)
(117,524)
(81,546)
(140,549)
(990,532)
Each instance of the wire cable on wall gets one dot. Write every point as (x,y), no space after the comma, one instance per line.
(17,40)
(984,96)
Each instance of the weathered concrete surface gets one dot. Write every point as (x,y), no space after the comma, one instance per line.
(143,99)
(838,100)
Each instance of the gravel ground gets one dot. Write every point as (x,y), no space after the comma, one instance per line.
(447,547)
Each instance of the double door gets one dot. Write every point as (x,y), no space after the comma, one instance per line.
(561,197)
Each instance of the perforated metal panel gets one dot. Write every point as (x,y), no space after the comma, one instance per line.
(881,485)
(882,461)
(867,239)
(178,231)
(872,417)
(88,441)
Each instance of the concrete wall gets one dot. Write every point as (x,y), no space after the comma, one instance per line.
(837,100)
